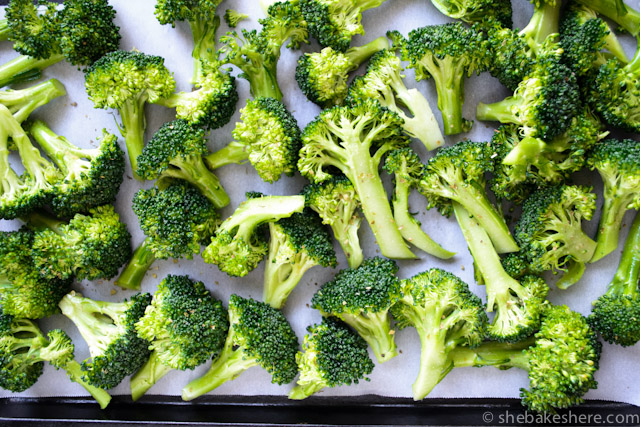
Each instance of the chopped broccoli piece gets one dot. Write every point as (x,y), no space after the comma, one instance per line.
(259,335)
(23,102)
(618,11)
(233,17)
(476,10)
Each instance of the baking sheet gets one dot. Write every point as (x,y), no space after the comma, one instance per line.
(75,117)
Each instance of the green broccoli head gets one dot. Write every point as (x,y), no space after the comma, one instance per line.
(477,11)
(362,298)
(512,57)
(110,332)
(333,355)
(259,335)
(34,32)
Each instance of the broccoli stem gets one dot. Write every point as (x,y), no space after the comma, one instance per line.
(434,361)
(5,32)
(500,111)
(133,127)
(503,355)
(544,22)
(231,363)
(358,55)
(23,102)
(57,147)
(612,45)
(75,373)
(25,68)
(194,171)
(141,260)
(450,89)
(625,281)
(263,80)
(38,220)
(617,11)
(204,44)
(346,233)
(375,204)
(368,4)
(423,125)
(409,227)
(234,152)
(376,330)
(148,375)
(302,391)
(574,272)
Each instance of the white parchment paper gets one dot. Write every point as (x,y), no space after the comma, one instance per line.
(75,117)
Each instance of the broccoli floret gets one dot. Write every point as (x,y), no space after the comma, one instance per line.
(407,169)
(333,355)
(233,17)
(543,104)
(296,244)
(24,348)
(175,221)
(383,82)
(211,104)
(516,265)
(447,53)
(561,360)
(337,203)
(238,245)
(92,176)
(322,76)
(185,326)
(259,335)
(334,22)
(24,293)
(614,315)
(618,11)
(518,304)
(175,152)
(81,32)
(202,19)
(362,297)
(257,53)
(446,315)
(550,234)
(476,10)
(23,102)
(456,174)
(617,163)
(126,81)
(587,40)
(267,135)
(92,246)
(354,140)
(109,328)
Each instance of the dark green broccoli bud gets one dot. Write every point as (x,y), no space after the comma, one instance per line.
(354,140)
(175,152)
(126,81)
(92,246)
(618,11)
(471,11)
(456,174)
(407,169)
(587,40)
(92,176)
(617,163)
(561,360)
(446,315)
(24,348)
(267,135)
(202,19)
(238,245)
(447,53)
(296,244)
(185,326)
(518,304)
(24,293)
(175,221)
(362,297)
(233,17)
(259,335)
(337,203)
(334,22)
(110,332)
(383,82)
(543,104)
(322,76)
(213,102)
(516,265)
(333,355)
(257,53)
(550,234)
(614,315)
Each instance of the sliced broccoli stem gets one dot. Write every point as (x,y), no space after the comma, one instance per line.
(364,5)
(574,272)
(500,111)
(302,391)
(581,246)
(625,281)
(544,22)
(141,260)
(434,361)
(423,125)
(503,355)
(4,30)
(133,127)
(526,152)
(194,171)
(75,373)
(25,68)
(349,241)
(375,329)
(23,102)
(234,152)
(375,204)
(449,80)
(263,82)
(148,375)
(409,227)
(358,55)
(626,17)
(204,44)
(232,362)
(58,148)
